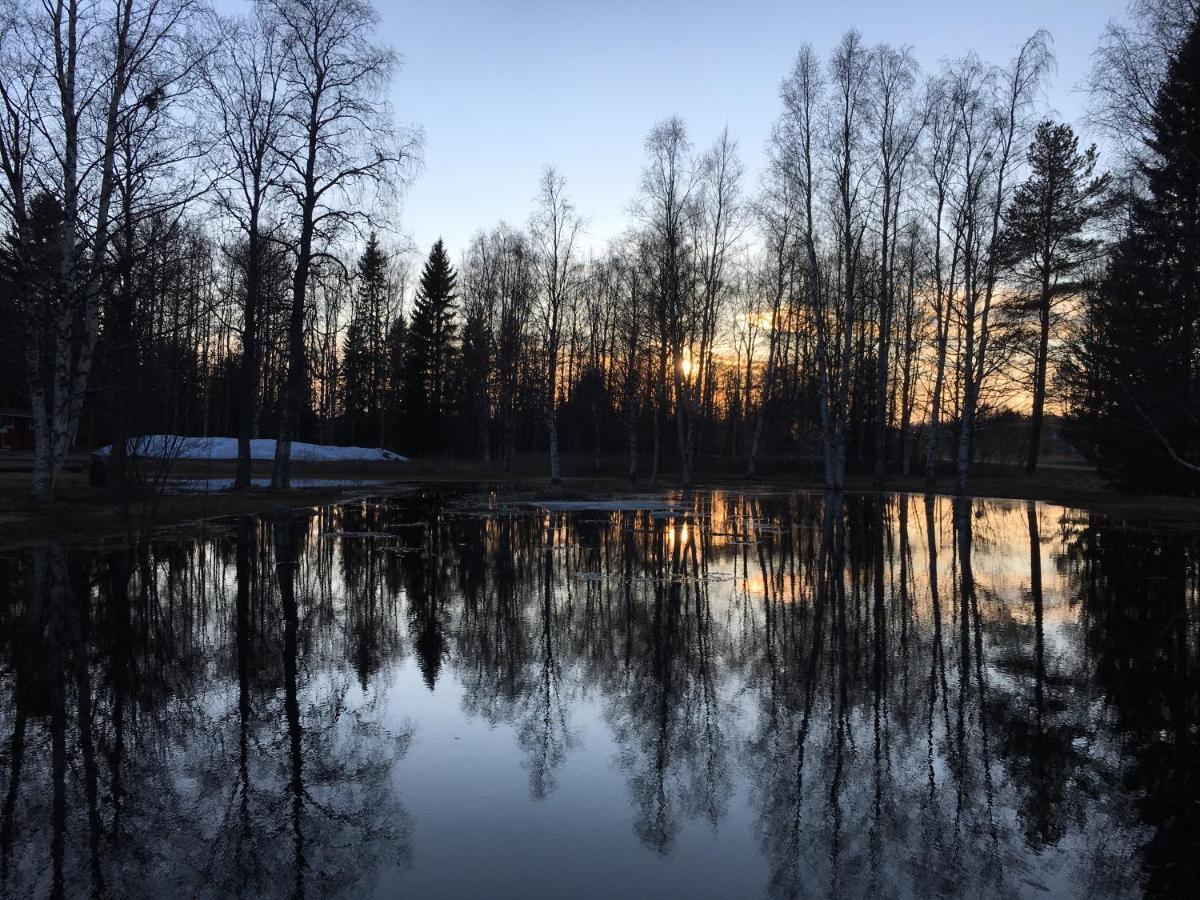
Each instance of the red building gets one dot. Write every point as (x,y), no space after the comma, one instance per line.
(16,429)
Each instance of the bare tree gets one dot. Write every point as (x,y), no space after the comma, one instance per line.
(720,222)
(896,126)
(943,146)
(798,137)
(555,227)
(75,76)
(913,333)
(669,183)
(338,143)
(995,121)
(1130,65)
(819,139)
(633,259)
(849,172)
(246,86)
(781,216)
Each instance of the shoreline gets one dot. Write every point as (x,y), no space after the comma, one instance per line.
(83,512)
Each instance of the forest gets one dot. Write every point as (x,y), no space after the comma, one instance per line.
(202,237)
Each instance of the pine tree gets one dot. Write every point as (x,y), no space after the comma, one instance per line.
(1133,380)
(431,352)
(1046,248)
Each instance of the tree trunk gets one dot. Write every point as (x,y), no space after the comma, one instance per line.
(249,367)
(631,438)
(293,389)
(1039,385)
(552,415)
(760,414)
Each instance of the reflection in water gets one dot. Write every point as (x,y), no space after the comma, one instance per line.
(787,695)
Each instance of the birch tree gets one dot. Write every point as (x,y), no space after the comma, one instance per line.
(896,124)
(667,205)
(74,75)
(246,86)
(555,228)
(720,223)
(798,137)
(338,145)
(780,216)
(943,146)
(996,119)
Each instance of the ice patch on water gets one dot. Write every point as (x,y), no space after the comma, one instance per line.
(216,485)
(651,506)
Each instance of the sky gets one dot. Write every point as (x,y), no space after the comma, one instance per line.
(502,88)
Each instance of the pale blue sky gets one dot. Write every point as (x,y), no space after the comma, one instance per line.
(502,87)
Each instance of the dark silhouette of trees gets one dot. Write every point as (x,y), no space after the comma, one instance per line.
(245,80)
(339,143)
(904,282)
(1048,249)
(365,367)
(555,230)
(433,348)
(1133,374)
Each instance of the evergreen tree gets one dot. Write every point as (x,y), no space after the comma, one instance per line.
(354,371)
(397,354)
(1133,379)
(365,364)
(430,364)
(1046,248)
(30,292)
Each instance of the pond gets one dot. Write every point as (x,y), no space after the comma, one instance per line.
(449,694)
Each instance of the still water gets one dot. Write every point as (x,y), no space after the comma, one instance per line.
(741,695)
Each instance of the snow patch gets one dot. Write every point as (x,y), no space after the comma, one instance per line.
(162,446)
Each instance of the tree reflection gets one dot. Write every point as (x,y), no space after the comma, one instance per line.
(909,695)
(161,780)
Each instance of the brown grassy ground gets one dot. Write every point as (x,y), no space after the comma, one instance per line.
(83,512)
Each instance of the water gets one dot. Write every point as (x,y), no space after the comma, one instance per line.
(741,695)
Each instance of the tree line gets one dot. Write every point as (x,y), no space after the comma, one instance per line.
(198,207)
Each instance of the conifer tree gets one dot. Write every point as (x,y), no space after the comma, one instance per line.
(1133,379)
(431,352)
(1046,247)
(365,364)
(397,353)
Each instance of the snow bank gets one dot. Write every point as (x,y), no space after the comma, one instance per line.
(171,445)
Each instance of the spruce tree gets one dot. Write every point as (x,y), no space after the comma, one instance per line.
(365,363)
(431,352)
(394,434)
(1134,377)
